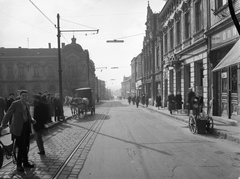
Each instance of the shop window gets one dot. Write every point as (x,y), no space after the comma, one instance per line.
(165,43)
(171,80)
(171,39)
(187,24)
(179,33)
(157,61)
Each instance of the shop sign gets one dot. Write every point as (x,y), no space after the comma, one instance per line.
(224,36)
(138,83)
(224,75)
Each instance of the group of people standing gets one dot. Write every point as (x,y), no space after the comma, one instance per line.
(175,102)
(16,114)
(137,99)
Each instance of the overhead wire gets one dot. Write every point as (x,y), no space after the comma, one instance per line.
(78,24)
(43,14)
(64,38)
(24,22)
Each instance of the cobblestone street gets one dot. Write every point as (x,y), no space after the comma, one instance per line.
(59,141)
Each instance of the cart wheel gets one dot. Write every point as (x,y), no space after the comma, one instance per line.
(192,124)
(209,125)
(1,157)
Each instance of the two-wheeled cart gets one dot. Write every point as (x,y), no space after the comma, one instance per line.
(200,123)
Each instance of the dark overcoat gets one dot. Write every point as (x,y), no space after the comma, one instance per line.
(158,101)
(178,100)
(171,102)
(41,115)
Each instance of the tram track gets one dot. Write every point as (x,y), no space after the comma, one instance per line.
(89,127)
(93,130)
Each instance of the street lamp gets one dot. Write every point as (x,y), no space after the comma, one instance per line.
(115,41)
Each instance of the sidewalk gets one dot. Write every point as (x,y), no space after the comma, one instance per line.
(6,137)
(223,128)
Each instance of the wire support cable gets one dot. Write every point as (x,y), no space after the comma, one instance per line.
(43,14)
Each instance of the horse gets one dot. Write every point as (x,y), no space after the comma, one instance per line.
(82,105)
(70,101)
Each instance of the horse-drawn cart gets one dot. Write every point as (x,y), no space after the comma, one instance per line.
(87,103)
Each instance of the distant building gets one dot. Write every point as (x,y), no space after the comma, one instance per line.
(126,87)
(36,70)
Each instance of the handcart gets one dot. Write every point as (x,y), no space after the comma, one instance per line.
(200,123)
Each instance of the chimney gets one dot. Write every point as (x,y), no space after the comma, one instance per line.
(63,45)
(49,45)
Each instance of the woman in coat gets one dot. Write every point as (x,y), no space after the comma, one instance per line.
(158,101)
(171,102)
(178,99)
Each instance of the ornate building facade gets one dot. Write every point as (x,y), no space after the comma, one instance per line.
(225,82)
(183,44)
(36,70)
(185,47)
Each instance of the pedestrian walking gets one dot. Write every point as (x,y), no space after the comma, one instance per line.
(143,99)
(146,100)
(171,102)
(191,94)
(2,108)
(41,115)
(20,128)
(178,99)
(137,101)
(129,99)
(57,108)
(158,101)
(134,99)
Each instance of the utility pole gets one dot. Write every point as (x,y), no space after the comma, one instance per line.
(59,59)
(59,53)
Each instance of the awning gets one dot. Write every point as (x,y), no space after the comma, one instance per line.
(232,57)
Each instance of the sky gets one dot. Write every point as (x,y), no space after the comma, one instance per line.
(32,24)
